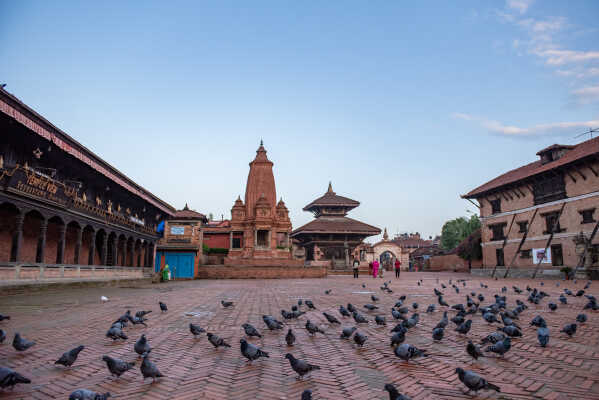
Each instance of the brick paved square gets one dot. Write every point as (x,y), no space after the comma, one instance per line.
(58,321)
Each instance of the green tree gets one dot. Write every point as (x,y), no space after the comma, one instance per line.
(456,230)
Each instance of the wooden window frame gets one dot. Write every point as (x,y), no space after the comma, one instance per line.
(584,213)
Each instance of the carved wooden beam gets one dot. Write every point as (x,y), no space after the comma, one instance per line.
(581,174)
(590,166)
(571,177)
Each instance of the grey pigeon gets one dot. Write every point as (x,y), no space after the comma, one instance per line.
(250,330)
(3,317)
(582,318)
(21,344)
(444,321)
(328,291)
(359,318)
(69,358)
(511,331)
(494,337)
(394,394)
(9,378)
(343,311)
(300,366)
(116,333)
(538,321)
(307,395)
(86,394)
(442,302)
(347,332)
(312,328)
(569,329)
(310,304)
(271,323)
(431,308)
(475,382)
(552,306)
(117,367)
(138,321)
(398,338)
(465,327)
(163,306)
(217,341)
(374,298)
(500,347)
(351,308)
(474,350)
(360,338)
(142,346)
(250,351)
(226,304)
(438,333)
(407,352)
(149,369)
(141,314)
(380,320)
(196,330)
(543,336)
(370,307)
(331,318)
(290,338)
(2,336)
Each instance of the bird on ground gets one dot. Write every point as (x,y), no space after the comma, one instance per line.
(370,307)
(328,291)
(459,307)
(347,332)
(300,302)
(142,346)
(394,394)
(437,292)
(438,333)
(552,306)
(312,328)
(148,369)
(511,331)
(2,336)
(294,308)
(474,350)
(9,378)
(582,318)
(250,330)
(395,314)
(517,289)
(494,337)
(68,358)
(301,367)
(360,338)
(458,319)
(380,320)
(538,321)
(444,321)
(442,302)
(430,308)
(163,306)
(310,304)
(139,321)
(500,347)
(271,323)
(363,286)
(226,304)
(490,317)
(374,298)
(579,293)
(563,299)
(351,308)
(20,343)
(343,311)
(569,329)
(465,327)
(475,382)
(480,297)
(415,306)
(307,395)
(406,352)
(543,336)
(290,337)
(103,299)
(398,338)
(196,330)
(141,314)
(3,317)
(331,318)
(116,333)
(117,367)
(86,394)
(250,351)
(359,318)
(217,341)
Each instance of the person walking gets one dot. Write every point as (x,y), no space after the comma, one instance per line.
(381,269)
(356,267)
(397,267)
(370,268)
(375,268)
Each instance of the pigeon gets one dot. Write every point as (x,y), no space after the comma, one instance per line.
(511,331)
(312,328)
(116,333)
(444,321)
(226,304)
(300,366)
(142,346)
(517,289)
(538,321)
(2,336)
(163,307)
(552,306)
(360,338)
(216,341)
(398,338)
(438,333)
(437,292)
(86,394)
(500,347)
(569,329)
(415,306)
(442,302)
(9,378)
(359,318)
(196,330)
(310,304)
(465,327)
(494,337)
(380,320)
(21,344)
(363,286)
(149,369)
(294,308)
(347,332)
(563,299)
(69,358)
(459,307)
(370,307)
(413,320)
(475,382)
(582,318)
(543,336)
(328,291)
(394,394)
(290,338)
(490,317)
(430,308)
(138,321)
(103,299)
(250,330)
(351,308)
(331,318)
(272,323)
(407,351)
(374,298)
(474,350)
(307,395)
(250,351)
(141,314)
(579,293)
(343,311)
(117,367)
(396,314)
(3,317)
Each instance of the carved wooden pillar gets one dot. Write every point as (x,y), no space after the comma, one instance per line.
(138,262)
(92,248)
(115,247)
(78,246)
(41,242)
(62,232)
(125,253)
(104,253)
(131,261)
(17,238)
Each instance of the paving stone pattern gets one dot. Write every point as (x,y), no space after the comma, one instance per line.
(58,321)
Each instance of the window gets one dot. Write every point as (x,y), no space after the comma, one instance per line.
(281,239)
(552,223)
(499,255)
(557,256)
(549,188)
(526,253)
(495,206)
(236,243)
(498,231)
(587,216)
(262,238)
(523,226)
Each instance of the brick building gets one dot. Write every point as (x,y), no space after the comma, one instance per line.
(532,217)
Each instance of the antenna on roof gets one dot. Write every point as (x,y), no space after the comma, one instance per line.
(589,132)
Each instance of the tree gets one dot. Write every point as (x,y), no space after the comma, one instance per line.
(470,249)
(456,230)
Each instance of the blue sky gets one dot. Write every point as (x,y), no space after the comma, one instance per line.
(402,105)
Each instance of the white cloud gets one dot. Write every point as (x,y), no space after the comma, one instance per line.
(520,6)
(560,57)
(535,130)
(587,94)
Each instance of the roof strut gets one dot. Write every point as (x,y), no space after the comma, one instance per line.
(555,224)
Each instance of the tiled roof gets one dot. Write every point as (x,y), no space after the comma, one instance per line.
(330,198)
(337,225)
(186,213)
(578,152)
(413,242)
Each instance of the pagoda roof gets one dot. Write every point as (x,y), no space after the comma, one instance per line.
(336,224)
(330,198)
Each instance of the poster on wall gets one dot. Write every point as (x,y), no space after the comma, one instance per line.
(544,254)
(177,230)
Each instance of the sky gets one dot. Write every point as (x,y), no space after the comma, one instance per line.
(404,106)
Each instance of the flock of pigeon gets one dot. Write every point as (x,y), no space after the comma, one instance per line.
(498,342)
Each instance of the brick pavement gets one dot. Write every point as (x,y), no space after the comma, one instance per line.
(58,321)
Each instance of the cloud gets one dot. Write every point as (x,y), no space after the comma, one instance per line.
(560,57)
(553,128)
(586,95)
(520,6)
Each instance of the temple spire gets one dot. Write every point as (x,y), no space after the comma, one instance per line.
(385,235)
(330,190)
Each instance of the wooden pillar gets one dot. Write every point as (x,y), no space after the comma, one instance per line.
(125,253)
(231,240)
(92,248)
(131,254)
(115,246)
(138,263)
(104,253)
(62,231)
(78,246)
(41,242)
(17,238)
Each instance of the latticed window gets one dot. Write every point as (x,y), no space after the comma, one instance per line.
(497,230)
(495,206)
(523,226)
(549,188)
(552,223)
(587,216)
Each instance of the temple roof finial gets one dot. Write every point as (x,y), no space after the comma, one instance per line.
(330,190)
(186,208)
(385,235)
(261,142)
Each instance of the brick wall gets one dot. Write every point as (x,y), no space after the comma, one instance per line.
(451,262)
(265,272)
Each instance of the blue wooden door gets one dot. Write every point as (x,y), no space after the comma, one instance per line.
(180,264)
(157,261)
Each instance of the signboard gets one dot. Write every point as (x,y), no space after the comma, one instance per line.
(137,221)
(177,230)
(544,254)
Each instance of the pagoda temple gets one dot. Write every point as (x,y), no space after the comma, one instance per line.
(260,227)
(332,236)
